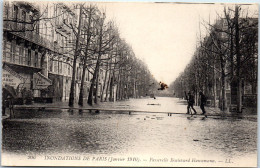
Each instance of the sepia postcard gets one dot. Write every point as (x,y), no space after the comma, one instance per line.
(129,84)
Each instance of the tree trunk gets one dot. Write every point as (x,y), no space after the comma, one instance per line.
(71,98)
(111,88)
(97,87)
(223,105)
(239,82)
(96,72)
(134,89)
(108,84)
(215,86)
(90,95)
(104,85)
(81,93)
(118,87)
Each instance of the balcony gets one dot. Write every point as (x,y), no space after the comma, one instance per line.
(31,36)
(35,38)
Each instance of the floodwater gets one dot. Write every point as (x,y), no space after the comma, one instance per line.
(137,134)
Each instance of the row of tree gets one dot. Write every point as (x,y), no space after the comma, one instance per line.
(225,61)
(103,48)
(96,44)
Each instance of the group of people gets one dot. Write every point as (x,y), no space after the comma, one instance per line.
(191,100)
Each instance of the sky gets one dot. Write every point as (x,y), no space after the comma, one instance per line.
(163,35)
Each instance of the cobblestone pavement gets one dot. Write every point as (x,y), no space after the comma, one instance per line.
(138,134)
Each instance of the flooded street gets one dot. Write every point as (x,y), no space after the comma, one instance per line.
(139,134)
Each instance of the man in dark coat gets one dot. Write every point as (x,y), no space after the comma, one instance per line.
(203,102)
(191,101)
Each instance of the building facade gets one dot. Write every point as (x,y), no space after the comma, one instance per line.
(38,50)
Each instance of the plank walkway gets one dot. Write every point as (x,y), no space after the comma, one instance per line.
(116,110)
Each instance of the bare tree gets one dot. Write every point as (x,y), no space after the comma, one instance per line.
(76,53)
(91,15)
(105,36)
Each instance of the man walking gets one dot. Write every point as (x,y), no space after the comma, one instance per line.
(191,102)
(203,102)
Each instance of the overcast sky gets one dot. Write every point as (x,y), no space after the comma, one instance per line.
(163,35)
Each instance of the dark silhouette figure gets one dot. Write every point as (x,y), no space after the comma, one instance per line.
(10,105)
(3,107)
(203,102)
(4,103)
(163,86)
(191,101)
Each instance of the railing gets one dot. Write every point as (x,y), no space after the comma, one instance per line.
(18,29)
(33,37)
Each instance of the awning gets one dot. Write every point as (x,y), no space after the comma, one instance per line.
(10,77)
(40,81)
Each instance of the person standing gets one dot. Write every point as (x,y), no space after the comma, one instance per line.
(203,102)
(191,101)
(3,107)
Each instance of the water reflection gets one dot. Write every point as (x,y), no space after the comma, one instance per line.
(71,111)
(80,112)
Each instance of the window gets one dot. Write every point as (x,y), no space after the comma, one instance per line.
(36,59)
(16,53)
(64,68)
(29,57)
(4,49)
(30,20)
(55,62)
(6,10)
(68,69)
(25,55)
(8,50)
(50,64)
(32,57)
(60,67)
(15,15)
(21,55)
(24,19)
(39,60)
(13,48)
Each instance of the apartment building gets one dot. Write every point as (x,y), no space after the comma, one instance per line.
(38,49)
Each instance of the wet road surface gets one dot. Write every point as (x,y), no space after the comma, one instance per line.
(81,132)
